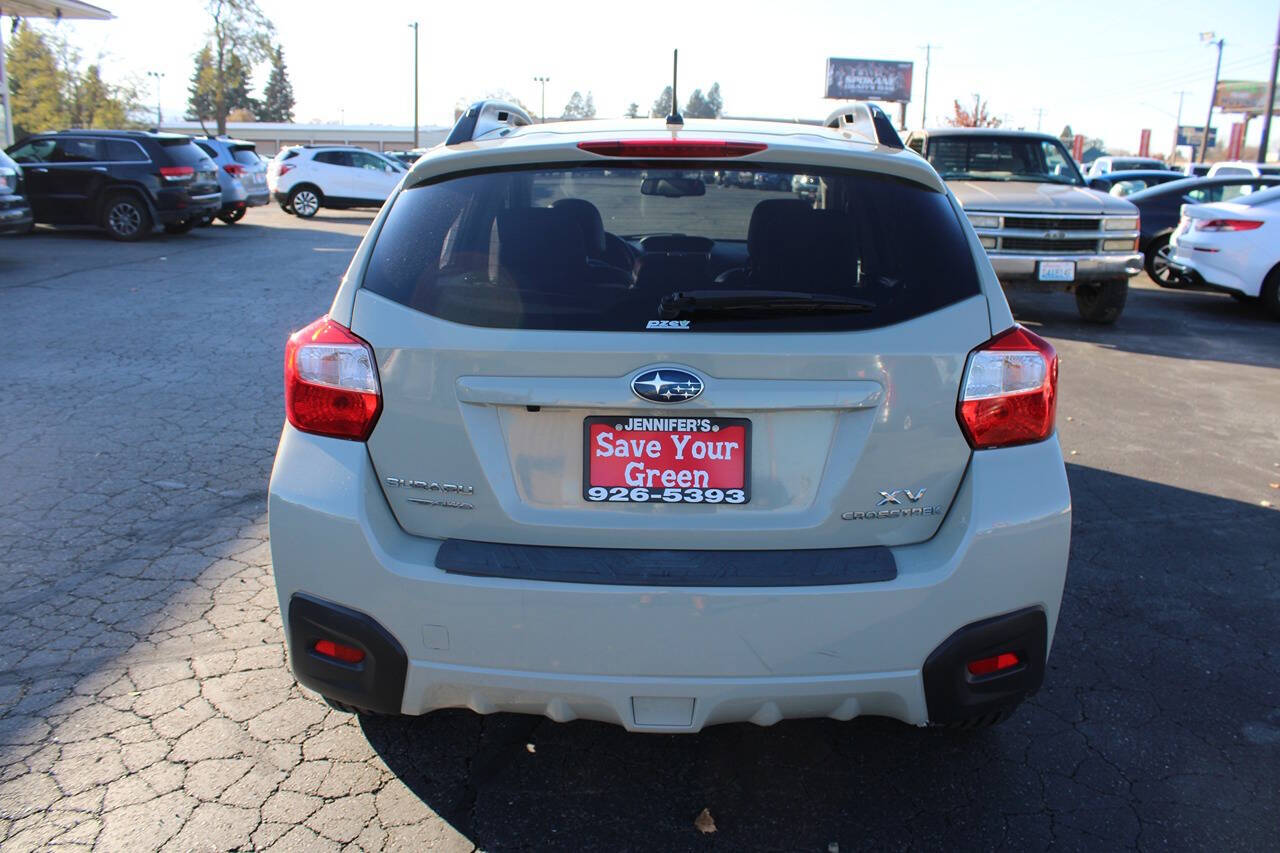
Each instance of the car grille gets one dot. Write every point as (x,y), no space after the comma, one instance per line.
(1035,244)
(1031,223)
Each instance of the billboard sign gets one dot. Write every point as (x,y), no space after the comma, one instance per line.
(1241,96)
(1190,135)
(869,80)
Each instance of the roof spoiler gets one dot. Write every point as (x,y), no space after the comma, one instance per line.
(866,120)
(485,117)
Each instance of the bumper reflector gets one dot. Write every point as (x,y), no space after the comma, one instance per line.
(995,663)
(346,654)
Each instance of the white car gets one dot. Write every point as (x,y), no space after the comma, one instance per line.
(1233,246)
(305,178)
(582,436)
(1108,164)
(1242,168)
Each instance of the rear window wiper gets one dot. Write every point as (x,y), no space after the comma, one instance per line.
(690,302)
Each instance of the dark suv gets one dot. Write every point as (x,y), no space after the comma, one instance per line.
(125,181)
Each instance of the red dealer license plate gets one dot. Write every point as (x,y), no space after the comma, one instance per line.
(674,460)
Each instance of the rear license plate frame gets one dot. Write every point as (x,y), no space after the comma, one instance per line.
(664,495)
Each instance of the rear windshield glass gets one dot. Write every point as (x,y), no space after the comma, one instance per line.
(184,153)
(245,154)
(598,248)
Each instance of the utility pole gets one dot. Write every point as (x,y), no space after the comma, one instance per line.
(924,101)
(1208,38)
(414,26)
(977,100)
(544,81)
(1177,126)
(1271,99)
(1039,111)
(158,75)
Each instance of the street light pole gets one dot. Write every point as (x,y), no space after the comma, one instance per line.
(543,81)
(158,75)
(924,101)
(1208,38)
(1271,99)
(414,25)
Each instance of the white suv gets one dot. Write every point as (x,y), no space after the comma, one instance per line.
(585,436)
(305,178)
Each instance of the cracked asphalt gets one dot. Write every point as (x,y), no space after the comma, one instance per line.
(145,701)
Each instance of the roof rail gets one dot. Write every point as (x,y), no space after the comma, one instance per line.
(866,120)
(484,117)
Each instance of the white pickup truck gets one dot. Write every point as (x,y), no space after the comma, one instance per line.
(1039,221)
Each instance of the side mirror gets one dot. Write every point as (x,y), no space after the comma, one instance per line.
(1100,184)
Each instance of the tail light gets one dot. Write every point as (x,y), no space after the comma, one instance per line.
(995,663)
(235,170)
(1229,225)
(178,173)
(285,168)
(331,382)
(1010,390)
(347,654)
(672,148)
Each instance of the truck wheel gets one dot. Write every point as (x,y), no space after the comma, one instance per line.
(1158,267)
(231,217)
(126,218)
(1103,302)
(1270,295)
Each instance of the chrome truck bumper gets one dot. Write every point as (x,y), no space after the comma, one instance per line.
(1089,268)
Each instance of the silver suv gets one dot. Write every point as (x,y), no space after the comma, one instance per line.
(584,435)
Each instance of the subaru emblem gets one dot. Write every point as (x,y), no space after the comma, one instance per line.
(667,385)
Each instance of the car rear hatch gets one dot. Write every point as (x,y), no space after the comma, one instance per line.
(801,393)
(182,153)
(253,169)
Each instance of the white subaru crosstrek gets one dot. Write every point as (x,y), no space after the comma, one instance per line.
(583,435)
(305,178)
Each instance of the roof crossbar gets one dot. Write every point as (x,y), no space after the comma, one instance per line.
(487,117)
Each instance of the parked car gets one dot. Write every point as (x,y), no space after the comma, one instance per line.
(1232,246)
(242,176)
(806,186)
(124,181)
(1106,165)
(1240,168)
(491,493)
(305,178)
(772,181)
(405,158)
(1195,170)
(1160,209)
(1041,225)
(15,212)
(1126,183)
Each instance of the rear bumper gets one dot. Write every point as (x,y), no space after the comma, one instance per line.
(654,658)
(15,214)
(179,206)
(1089,268)
(1195,275)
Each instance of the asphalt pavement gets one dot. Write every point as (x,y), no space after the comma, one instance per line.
(145,702)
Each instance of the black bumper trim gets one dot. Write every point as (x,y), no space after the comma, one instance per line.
(642,567)
(953,695)
(374,684)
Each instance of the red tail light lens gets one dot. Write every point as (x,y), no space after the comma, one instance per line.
(1229,225)
(346,654)
(285,169)
(234,169)
(331,382)
(1010,391)
(177,173)
(995,663)
(707,148)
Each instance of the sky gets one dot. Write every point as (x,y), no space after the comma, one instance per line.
(1108,69)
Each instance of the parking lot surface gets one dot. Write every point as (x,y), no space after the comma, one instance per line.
(145,702)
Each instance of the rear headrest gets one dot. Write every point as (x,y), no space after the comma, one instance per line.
(587,215)
(780,230)
(540,243)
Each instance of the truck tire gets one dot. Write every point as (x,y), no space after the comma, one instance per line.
(1102,302)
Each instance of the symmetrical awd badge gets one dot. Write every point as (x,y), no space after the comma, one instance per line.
(666,385)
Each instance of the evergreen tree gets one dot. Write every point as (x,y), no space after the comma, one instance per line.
(633,110)
(715,102)
(662,106)
(277,97)
(697,106)
(200,101)
(575,108)
(36,84)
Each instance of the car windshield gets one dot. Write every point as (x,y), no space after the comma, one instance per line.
(600,248)
(996,158)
